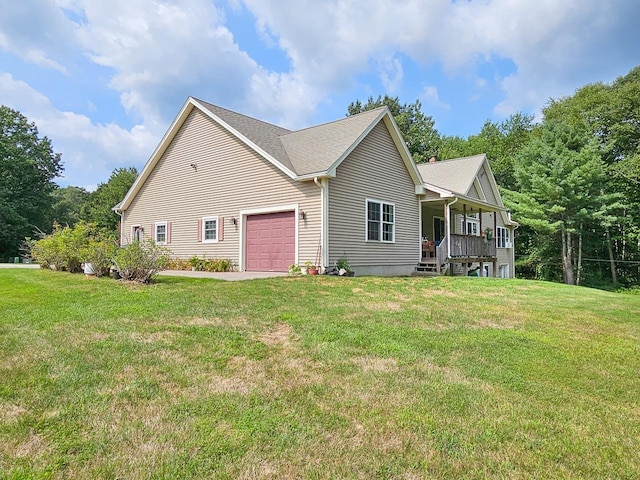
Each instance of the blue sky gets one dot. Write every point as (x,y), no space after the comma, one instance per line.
(103,80)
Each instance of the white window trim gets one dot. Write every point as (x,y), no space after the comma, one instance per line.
(366,221)
(472,221)
(507,237)
(134,229)
(208,219)
(155,232)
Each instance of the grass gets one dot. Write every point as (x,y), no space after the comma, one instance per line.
(316,378)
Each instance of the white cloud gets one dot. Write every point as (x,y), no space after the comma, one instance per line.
(90,151)
(431,97)
(36,31)
(391,74)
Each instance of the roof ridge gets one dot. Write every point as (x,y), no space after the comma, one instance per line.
(348,117)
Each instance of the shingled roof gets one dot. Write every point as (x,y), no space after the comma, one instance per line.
(456,175)
(319,148)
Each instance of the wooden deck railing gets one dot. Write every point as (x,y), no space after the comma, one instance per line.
(465,246)
(472,246)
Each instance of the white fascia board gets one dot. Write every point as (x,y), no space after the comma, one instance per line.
(478,185)
(319,175)
(244,139)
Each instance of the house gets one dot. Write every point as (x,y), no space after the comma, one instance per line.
(222,184)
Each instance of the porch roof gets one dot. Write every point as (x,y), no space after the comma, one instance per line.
(447,195)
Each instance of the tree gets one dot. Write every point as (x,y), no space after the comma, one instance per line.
(610,114)
(28,167)
(67,204)
(561,178)
(418,129)
(98,207)
(500,141)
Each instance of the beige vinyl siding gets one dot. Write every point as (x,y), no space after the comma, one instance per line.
(429,195)
(230,177)
(486,186)
(473,192)
(375,171)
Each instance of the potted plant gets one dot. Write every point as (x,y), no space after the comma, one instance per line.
(311,268)
(343,267)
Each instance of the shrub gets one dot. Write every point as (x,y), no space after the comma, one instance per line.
(100,252)
(140,261)
(178,264)
(67,248)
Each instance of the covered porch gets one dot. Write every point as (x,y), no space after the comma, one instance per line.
(458,237)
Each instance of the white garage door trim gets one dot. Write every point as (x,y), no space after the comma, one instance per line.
(242,254)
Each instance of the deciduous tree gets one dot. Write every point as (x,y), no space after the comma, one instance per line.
(28,167)
(98,207)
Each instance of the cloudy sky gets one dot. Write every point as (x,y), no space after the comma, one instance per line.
(104,78)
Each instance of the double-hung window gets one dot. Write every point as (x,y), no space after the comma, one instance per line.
(161,233)
(210,229)
(381,221)
(502,238)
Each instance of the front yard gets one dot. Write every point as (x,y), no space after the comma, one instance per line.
(324,377)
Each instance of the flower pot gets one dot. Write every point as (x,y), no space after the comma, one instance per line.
(313,271)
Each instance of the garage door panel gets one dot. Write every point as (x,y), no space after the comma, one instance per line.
(270,244)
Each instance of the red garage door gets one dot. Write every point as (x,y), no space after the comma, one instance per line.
(271,242)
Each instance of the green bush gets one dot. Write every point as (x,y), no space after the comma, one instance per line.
(140,261)
(100,252)
(67,248)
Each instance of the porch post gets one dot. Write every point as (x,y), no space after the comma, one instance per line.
(480,227)
(447,219)
(495,239)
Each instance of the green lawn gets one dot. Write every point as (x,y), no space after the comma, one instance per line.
(316,377)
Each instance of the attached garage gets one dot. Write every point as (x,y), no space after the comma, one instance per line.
(271,241)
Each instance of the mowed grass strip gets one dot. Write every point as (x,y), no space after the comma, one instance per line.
(316,377)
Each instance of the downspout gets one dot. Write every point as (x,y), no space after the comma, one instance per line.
(324,258)
(121,214)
